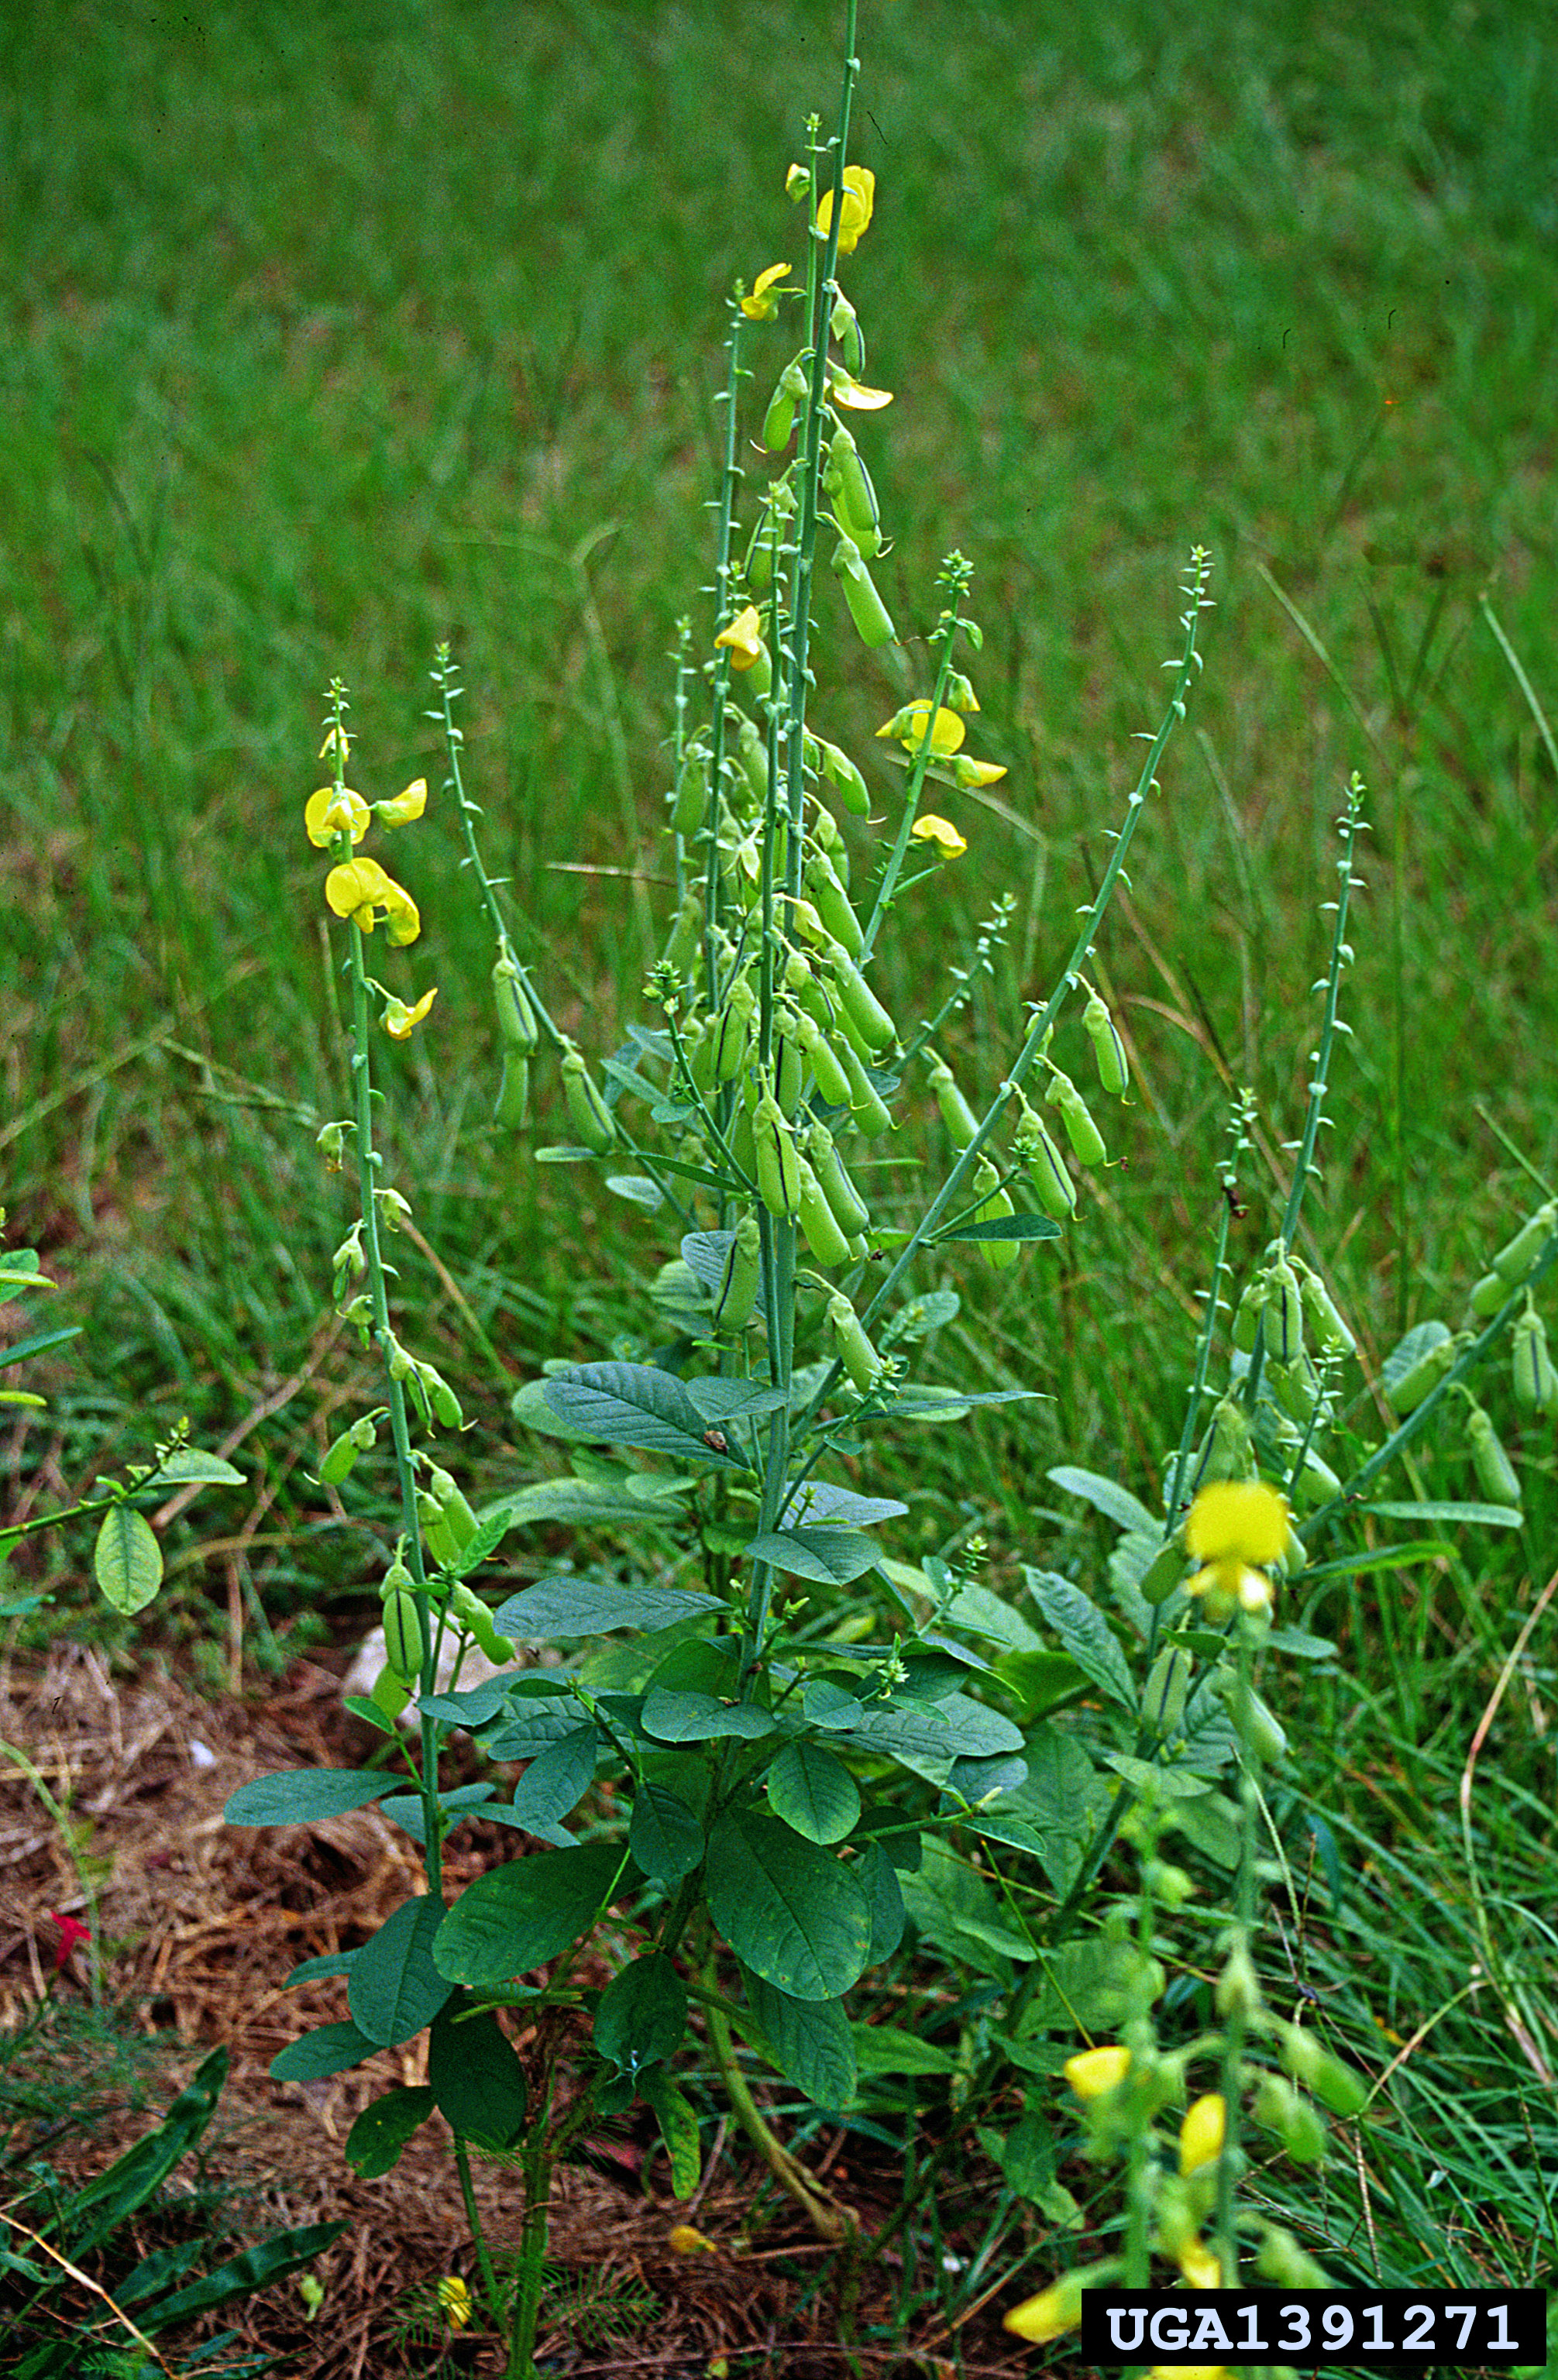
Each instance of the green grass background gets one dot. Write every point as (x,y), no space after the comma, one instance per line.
(332,333)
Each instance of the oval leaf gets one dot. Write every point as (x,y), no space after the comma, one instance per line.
(128,1558)
(378,2138)
(809,2041)
(674,1716)
(292,1796)
(520,1916)
(586,1606)
(394,1988)
(635,1404)
(642,2014)
(1085,1632)
(557,1778)
(812,1790)
(832,1556)
(789,1910)
(477,2080)
(328,2049)
(665,1837)
(1106,1495)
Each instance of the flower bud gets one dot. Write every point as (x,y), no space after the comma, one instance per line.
(845,324)
(1238,1987)
(1203,2133)
(516,1024)
(851,1345)
(331,1144)
(736,1292)
(1114,1066)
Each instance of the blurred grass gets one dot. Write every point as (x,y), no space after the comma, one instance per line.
(332,334)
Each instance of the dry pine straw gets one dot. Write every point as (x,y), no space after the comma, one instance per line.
(198,1925)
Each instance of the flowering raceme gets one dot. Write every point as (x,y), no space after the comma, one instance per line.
(335,819)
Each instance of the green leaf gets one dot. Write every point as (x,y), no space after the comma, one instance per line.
(951,1906)
(1093,1984)
(394,1988)
(240,2276)
(133,2178)
(580,1503)
(328,2049)
(1027,2159)
(678,2128)
(405,1809)
(877,1878)
(477,2080)
(530,1723)
(929,1738)
(923,1315)
(810,2042)
(291,1797)
(557,1778)
(1418,1549)
(1211,1824)
(829,1706)
(21,1350)
(193,1466)
(1481,1516)
(704,1254)
(675,1714)
(789,1910)
(1085,1634)
(1405,1353)
(642,2014)
(813,1793)
(718,1400)
(520,1916)
(820,1501)
(920,1401)
(830,1556)
(1108,1496)
(378,2138)
(128,1559)
(892,2049)
(636,1190)
(981,1613)
(586,1606)
(1003,1227)
(666,1839)
(634,1404)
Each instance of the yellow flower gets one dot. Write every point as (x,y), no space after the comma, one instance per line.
(744,636)
(406,807)
(1188,2372)
(455,2299)
(942,833)
(852,394)
(329,813)
(1056,2310)
(860,196)
(970,773)
(1198,2266)
(763,303)
(360,890)
(335,740)
(1202,2133)
(1093,2071)
(1233,1525)
(400,1019)
(908,725)
(687,2239)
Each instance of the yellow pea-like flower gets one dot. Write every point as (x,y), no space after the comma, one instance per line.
(1202,2133)
(405,808)
(860,199)
(942,833)
(762,303)
(1093,2071)
(399,1020)
(334,810)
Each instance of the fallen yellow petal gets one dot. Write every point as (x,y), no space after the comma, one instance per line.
(687,2239)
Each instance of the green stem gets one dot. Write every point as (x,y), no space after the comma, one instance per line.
(830,2220)
(490,2288)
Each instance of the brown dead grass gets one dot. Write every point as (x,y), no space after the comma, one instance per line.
(199,1924)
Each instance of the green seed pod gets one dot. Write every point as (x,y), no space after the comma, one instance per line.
(1168,1682)
(833,903)
(1332,1335)
(851,1345)
(733,1030)
(1408,1393)
(467,1607)
(866,1106)
(1282,2260)
(833,1083)
(737,1291)
(780,419)
(1164,1572)
(395,1578)
(751,759)
(513,1102)
(1296,2122)
(340,1459)
(1488,1297)
(1496,1475)
(1535,1382)
(1114,1066)
(999,1255)
(446,1404)
(1262,1730)
(1315,1483)
(1334,2084)
(789,1058)
(860,1003)
(689,803)
(588,1112)
(873,622)
(961,1122)
(828,1244)
(1514,1260)
(850,1211)
(840,771)
(743,1148)
(849,482)
(1248,1313)
(686,937)
(845,324)
(1086,1139)
(1052,1185)
(517,1021)
(778,1164)
(1228,1450)
(405,1644)
(1296,1387)
(1284,1317)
